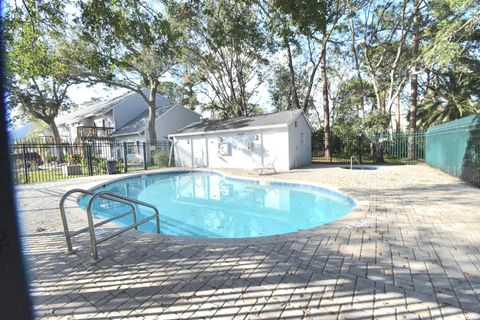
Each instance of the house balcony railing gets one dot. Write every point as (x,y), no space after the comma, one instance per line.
(84,132)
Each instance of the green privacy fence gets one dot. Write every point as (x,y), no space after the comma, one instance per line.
(454,147)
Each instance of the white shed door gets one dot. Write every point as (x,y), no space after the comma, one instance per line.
(200,153)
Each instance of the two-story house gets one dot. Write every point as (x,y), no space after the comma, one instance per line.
(123,118)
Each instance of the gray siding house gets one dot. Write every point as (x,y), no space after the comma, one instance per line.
(168,120)
(123,118)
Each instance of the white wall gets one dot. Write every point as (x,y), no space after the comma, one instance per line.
(183,152)
(276,146)
(240,156)
(65,131)
(106,118)
(300,143)
(266,146)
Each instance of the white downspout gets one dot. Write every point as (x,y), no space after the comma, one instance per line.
(263,150)
(191,151)
(171,151)
(206,151)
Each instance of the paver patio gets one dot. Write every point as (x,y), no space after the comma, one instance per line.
(416,256)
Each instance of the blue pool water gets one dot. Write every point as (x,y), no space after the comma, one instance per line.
(210,205)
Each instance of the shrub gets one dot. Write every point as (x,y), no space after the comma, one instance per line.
(120,166)
(160,158)
(74,158)
(50,158)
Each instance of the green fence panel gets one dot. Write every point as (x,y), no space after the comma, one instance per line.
(454,147)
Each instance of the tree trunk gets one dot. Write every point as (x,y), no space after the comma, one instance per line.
(293,84)
(379,151)
(152,134)
(357,63)
(56,139)
(399,117)
(326,109)
(413,85)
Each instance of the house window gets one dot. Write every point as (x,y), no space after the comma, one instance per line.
(302,139)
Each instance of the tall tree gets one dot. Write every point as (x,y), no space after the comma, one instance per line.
(450,96)
(450,56)
(285,95)
(316,20)
(454,26)
(224,50)
(414,80)
(385,31)
(127,44)
(38,76)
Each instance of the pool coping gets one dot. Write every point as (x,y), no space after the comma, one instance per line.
(343,222)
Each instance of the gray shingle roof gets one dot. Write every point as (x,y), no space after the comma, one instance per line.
(264,120)
(139,123)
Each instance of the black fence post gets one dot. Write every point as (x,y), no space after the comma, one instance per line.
(25,162)
(125,169)
(360,150)
(89,160)
(144,156)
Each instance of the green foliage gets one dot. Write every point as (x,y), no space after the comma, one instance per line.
(49,157)
(126,44)
(74,158)
(281,90)
(376,121)
(182,94)
(454,24)
(309,16)
(471,161)
(350,97)
(99,165)
(452,96)
(160,158)
(125,37)
(38,76)
(224,52)
(216,54)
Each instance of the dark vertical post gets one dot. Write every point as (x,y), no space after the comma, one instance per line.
(89,160)
(125,169)
(25,162)
(16,303)
(360,144)
(144,156)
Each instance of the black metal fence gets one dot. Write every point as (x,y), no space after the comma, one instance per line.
(388,148)
(39,162)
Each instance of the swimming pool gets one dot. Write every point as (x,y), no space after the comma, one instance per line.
(210,205)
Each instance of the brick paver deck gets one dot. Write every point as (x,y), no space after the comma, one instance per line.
(416,256)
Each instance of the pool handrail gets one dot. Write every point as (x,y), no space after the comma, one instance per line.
(351,162)
(91,226)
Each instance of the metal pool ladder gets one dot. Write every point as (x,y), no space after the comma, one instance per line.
(115,197)
(351,162)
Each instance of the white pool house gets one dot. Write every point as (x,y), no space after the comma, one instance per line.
(281,140)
